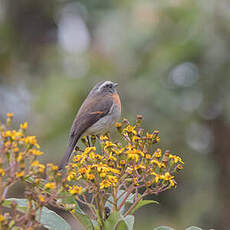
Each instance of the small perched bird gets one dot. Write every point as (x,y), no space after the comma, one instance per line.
(98,113)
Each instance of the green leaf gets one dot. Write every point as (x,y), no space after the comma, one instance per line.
(142,203)
(16,228)
(83,219)
(22,204)
(121,225)
(130,200)
(129,220)
(49,219)
(112,221)
(72,200)
(193,228)
(126,223)
(79,214)
(116,222)
(163,228)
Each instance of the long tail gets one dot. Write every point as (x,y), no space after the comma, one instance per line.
(72,143)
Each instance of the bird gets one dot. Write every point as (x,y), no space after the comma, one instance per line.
(98,113)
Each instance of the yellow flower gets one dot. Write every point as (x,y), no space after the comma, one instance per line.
(105,184)
(82,170)
(115,171)
(89,149)
(22,166)
(91,176)
(176,158)
(136,139)
(119,151)
(12,134)
(147,156)
(52,166)
(37,180)
(24,125)
(158,153)
(50,185)
(156,132)
(35,152)
(75,189)
(2,172)
(10,115)
(1,218)
(148,183)
(92,155)
(41,198)
(122,162)
(103,138)
(101,167)
(172,183)
(179,167)
(16,149)
(77,158)
(129,170)
(167,176)
(7,144)
(98,157)
(129,129)
(111,157)
(105,168)
(118,124)
(20,174)
(109,144)
(135,180)
(140,166)
(132,153)
(149,135)
(102,175)
(20,156)
(156,162)
(157,177)
(72,174)
(112,179)
(35,163)
(30,140)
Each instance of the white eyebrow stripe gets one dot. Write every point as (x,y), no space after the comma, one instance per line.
(105,83)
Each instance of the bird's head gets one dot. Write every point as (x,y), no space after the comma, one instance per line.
(104,87)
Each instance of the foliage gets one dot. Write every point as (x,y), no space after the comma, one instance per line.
(111,181)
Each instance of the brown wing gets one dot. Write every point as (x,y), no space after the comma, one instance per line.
(92,109)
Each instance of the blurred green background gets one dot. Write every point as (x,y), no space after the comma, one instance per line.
(171,59)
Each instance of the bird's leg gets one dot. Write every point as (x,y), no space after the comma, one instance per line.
(108,135)
(88,140)
(98,137)
(93,140)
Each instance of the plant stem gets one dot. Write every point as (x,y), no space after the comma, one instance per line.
(130,189)
(114,194)
(100,221)
(134,204)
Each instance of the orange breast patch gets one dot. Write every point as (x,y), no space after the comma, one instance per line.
(117,99)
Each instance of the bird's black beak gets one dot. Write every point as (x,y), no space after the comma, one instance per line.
(115,84)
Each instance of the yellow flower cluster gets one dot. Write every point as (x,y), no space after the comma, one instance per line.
(17,146)
(132,165)
(18,162)
(116,165)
